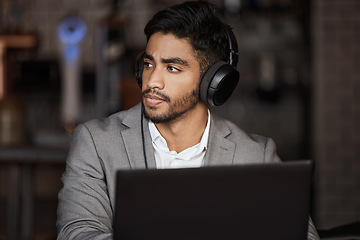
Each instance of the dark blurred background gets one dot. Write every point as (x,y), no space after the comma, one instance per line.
(299,62)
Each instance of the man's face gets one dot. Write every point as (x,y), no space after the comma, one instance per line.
(171,78)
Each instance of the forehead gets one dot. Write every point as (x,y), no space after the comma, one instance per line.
(169,46)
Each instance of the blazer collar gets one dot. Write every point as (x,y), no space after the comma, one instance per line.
(133,139)
(220,150)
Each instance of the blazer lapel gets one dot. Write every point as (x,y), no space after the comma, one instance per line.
(220,150)
(132,138)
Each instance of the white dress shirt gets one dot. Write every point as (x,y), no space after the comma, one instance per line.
(188,158)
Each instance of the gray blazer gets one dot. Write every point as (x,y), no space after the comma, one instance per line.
(99,148)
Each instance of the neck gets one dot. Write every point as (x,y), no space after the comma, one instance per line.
(185,131)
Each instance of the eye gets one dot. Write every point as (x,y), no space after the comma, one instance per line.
(147,64)
(173,69)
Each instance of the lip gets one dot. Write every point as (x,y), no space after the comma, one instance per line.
(153,100)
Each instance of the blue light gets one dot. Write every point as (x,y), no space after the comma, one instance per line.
(71,30)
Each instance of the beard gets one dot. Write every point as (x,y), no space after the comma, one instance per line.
(176,108)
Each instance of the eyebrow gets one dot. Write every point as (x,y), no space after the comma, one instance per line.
(169,60)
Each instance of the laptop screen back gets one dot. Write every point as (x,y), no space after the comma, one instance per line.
(253,201)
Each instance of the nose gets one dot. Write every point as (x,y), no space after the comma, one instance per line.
(154,78)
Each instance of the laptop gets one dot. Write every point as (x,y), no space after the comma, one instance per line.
(252,201)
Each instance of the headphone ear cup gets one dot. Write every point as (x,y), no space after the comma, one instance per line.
(218,83)
(139,68)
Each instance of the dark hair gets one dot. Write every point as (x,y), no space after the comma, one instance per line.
(197,22)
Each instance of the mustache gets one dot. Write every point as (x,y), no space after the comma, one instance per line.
(156,93)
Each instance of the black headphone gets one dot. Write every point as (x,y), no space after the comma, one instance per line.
(218,82)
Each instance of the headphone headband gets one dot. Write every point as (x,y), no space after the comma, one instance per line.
(233,48)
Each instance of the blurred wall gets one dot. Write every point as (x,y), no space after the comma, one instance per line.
(336,110)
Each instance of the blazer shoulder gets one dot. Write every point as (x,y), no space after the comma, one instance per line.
(227,129)
(248,145)
(233,131)
(116,122)
(261,140)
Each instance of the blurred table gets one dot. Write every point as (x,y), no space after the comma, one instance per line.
(21,161)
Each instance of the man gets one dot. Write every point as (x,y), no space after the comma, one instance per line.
(171,128)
